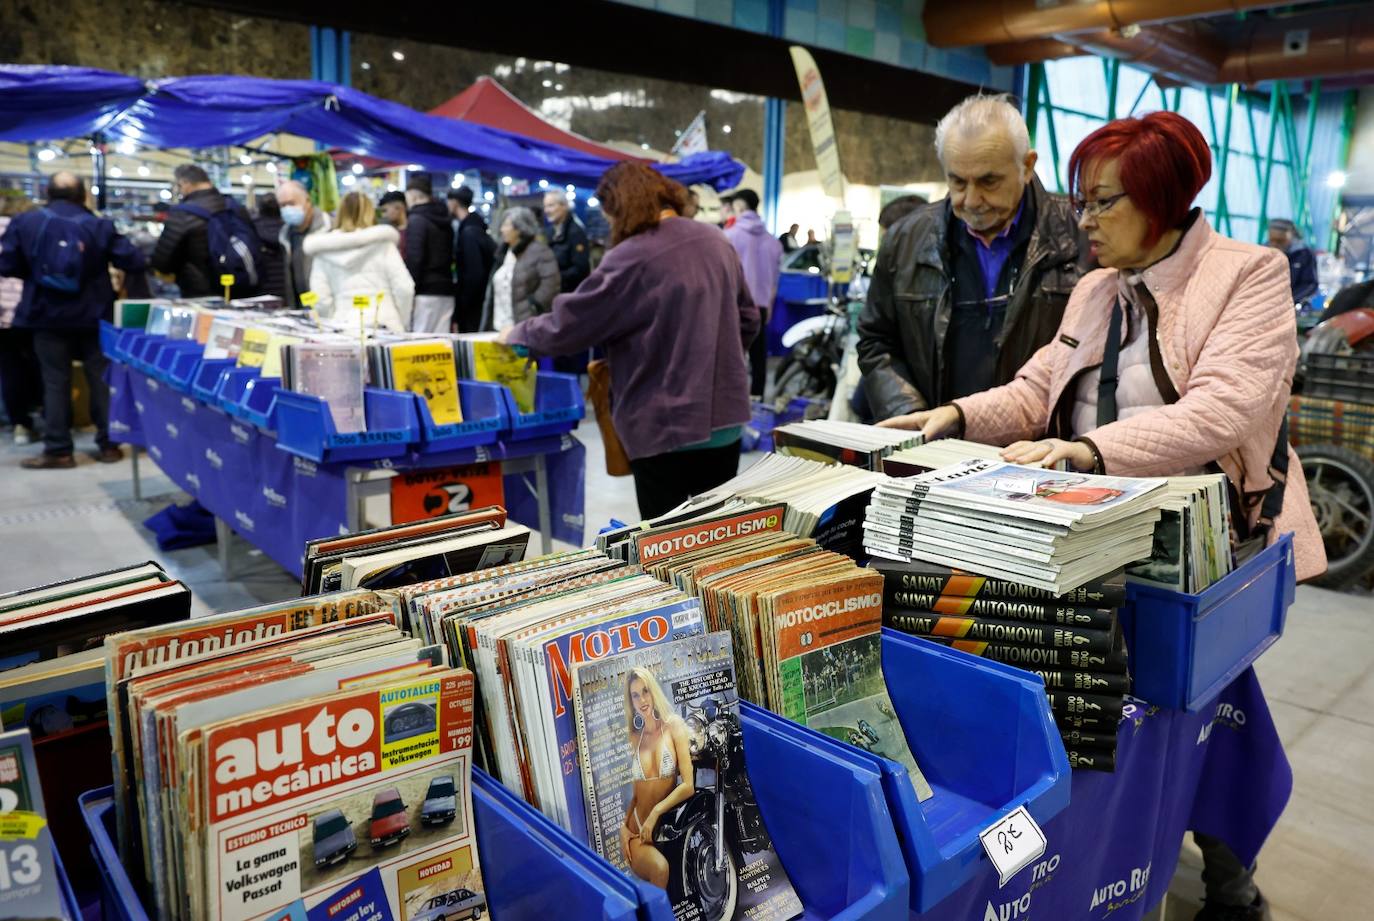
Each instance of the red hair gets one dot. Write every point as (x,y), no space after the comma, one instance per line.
(633,195)
(1163,159)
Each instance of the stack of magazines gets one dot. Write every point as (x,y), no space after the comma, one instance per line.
(842,442)
(1072,641)
(932,455)
(1192,547)
(599,690)
(265,759)
(1051,530)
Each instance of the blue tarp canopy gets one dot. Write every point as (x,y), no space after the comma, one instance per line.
(47,103)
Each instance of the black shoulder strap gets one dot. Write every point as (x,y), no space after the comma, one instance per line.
(1106,383)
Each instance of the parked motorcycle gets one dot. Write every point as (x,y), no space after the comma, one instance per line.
(705,839)
(817,349)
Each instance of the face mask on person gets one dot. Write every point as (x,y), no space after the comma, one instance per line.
(294,215)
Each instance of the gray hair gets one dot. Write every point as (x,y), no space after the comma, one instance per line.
(981,113)
(524,222)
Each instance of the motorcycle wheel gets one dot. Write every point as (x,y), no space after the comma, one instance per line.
(794,381)
(1340,484)
(715,893)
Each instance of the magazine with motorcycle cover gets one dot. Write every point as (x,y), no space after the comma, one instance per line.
(663,763)
(823,643)
(300,799)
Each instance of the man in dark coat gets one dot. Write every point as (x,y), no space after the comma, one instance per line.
(473,253)
(429,257)
(568,240)
(183,249)
(63,303)
(966,289)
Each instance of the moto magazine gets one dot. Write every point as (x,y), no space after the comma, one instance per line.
(668,796)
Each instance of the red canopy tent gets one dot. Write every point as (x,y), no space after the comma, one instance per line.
(489,103)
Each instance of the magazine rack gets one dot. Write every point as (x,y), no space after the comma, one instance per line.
(165,362)
(530,862)
(125,341)
(558,407)
(232,385)
(1185,649)
(306,428)
(182,370)
(143,353)
(485,417)
(206,381)
(821,802)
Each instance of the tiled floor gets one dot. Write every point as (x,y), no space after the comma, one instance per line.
(1319,679)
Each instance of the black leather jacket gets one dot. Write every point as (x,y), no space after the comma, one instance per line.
(902,327)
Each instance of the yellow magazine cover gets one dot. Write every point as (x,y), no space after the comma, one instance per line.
(498,364)
(271,364)
(253,352)
(427,368)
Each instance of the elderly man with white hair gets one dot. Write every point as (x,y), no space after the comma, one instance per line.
(966,289)
(299,219)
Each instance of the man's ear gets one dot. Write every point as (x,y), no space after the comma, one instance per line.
(1031,158)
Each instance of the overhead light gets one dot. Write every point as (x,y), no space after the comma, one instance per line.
(506,180)
(127,147)
(95,190)
(357,169)
(558,87)
(271,167)
(1336,179)
(398,56)
(349,179)
(725,128)
(415,167)
(488,196)
(572,189)
(457,183)
(486,209)
(643,146)
(164,194)
(144,171)
(548,83)
(593,202)
(246,179)
(543,183)
(116,172)
(46,154)
(245,159)
(572,196)
(391,187)
(365,65)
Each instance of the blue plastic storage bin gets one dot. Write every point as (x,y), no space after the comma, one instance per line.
(182,371)
(1186,648)
(532,868)
(826,812)
(485,417)
(143,351)
(119,900)
(258,405)
(126,342)
(305,427)
(165,361)
(109,339)
(233,383)
(558,407)
(205,383)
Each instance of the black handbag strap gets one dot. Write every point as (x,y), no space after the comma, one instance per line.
(1111,358)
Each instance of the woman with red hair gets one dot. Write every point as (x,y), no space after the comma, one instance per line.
(670,306)
(1174,357)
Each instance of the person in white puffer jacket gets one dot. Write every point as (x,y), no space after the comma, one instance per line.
(361,257)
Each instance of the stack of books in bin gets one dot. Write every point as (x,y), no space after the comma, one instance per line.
(1049,548)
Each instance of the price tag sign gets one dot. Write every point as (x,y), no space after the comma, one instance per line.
(362,301)
(1013,843)
(309,298)
(226,281)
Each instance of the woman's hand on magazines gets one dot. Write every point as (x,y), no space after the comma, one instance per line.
(932,423)
(1049,451)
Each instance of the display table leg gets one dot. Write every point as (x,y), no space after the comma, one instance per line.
(133,470)
(541,485)
(224,535)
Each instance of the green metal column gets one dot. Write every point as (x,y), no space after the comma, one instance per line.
(1054,138)
(1304,210)
(1268,161)
(1112,71)
(1347,140)
(1034,78)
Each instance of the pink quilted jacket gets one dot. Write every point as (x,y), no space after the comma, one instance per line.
(1227,338)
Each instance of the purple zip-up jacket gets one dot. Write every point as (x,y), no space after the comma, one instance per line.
(674,315)
(761,255)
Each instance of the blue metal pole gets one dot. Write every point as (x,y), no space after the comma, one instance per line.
(774,140)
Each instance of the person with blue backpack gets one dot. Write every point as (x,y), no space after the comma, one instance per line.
(206,236)
(63,253)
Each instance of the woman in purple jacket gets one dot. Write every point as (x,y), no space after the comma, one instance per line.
(670,307)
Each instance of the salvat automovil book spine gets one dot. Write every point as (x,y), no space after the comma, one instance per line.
(1088,682)
(1038,657)
(997,631)
(1040,612)
(1081,739)
(1108,708)
(1092,760)
(932,578)
(1098,724)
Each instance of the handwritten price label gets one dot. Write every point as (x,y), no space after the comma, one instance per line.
(1013,843)
(362,301)
(309,298)
(226,281)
